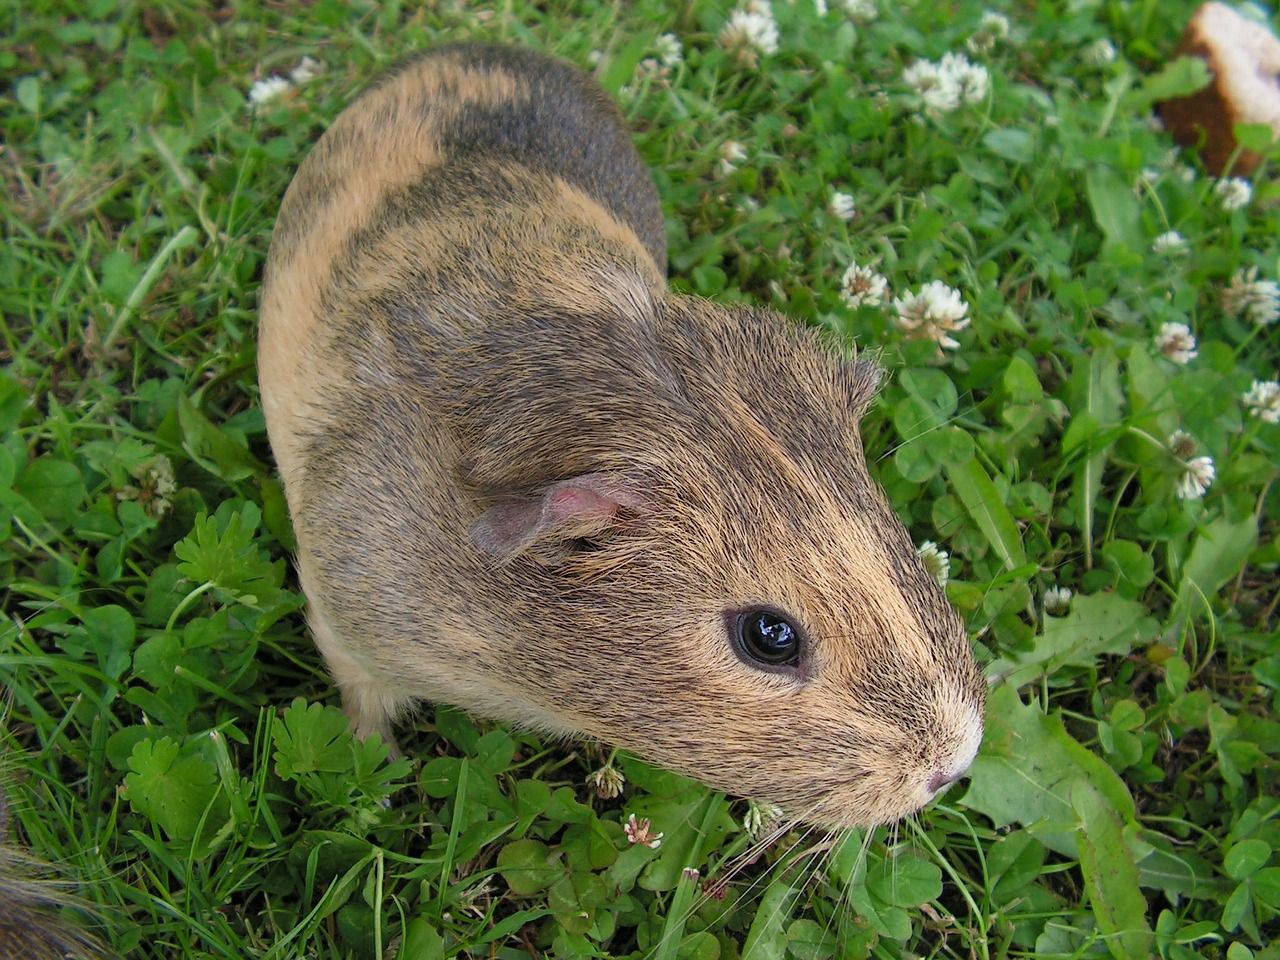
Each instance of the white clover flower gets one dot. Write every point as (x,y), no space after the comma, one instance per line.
(749,33)
(1169,243)
(862,286)
(993,28)
(1181,444)
(841,205)
(308,69)
(607,782)
(1248,298)
(862,11)
(1099,53)
(1195,473)
(943,86)
(761,817)
(1233,193)
(267,89)
(1196,477)
(669,50)
(1172,161)
(936,561)
(996,24)
(933,313)
(638,831)
(155,487)
(1056,600)
(972,79)
(1263,400)
(821,7)
(1147,179)
(650,69)
(1176,342)
(732,153)
(939,91)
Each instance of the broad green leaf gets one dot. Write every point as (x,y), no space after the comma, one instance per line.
(1027,767)
(1238,911)
(1012,144)
(1115,208)
(1218,554)
(1096,401)
(1178,78)
(905,881)
(701,946)
(1266,886)
(213,448)
(310,739)
(440,777)
(683,820)
(230,560)
(767,938)
(1014,861)
(986,509)
(175,791)
(1021,382)
(112,631)
(529,866)
(1134,565)
(574,899)
(1246,857)
(422,941)
(1110,875)
(53,487)
(14,398)
(808,940)
(1149,397)
(1254,136)
(1097,625)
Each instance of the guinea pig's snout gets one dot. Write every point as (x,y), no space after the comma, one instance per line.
(958,764)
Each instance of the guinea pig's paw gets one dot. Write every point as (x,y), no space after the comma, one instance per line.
(580,507)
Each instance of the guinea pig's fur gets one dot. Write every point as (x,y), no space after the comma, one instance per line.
(528,480)
(31,926)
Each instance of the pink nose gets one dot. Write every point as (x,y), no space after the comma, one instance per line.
(940,780)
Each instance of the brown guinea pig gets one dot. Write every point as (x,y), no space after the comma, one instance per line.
(528,480)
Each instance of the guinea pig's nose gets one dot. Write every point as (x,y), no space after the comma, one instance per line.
(941,779)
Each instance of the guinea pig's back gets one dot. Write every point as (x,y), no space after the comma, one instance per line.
(466,181)
(549,118)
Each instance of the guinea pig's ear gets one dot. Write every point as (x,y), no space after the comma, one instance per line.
(866,378)
(582,506)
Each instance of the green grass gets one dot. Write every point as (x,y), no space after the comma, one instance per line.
(170,740)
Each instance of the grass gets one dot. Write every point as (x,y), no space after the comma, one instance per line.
(170,740)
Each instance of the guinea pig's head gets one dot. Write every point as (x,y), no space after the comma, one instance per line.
(719,586)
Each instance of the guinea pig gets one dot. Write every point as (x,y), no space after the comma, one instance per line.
(30,926)
(528,480)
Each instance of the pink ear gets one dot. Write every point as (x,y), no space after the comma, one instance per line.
(577,507)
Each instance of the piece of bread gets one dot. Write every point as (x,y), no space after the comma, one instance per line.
(1244,58)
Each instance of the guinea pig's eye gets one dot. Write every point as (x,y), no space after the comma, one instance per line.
(768,637)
